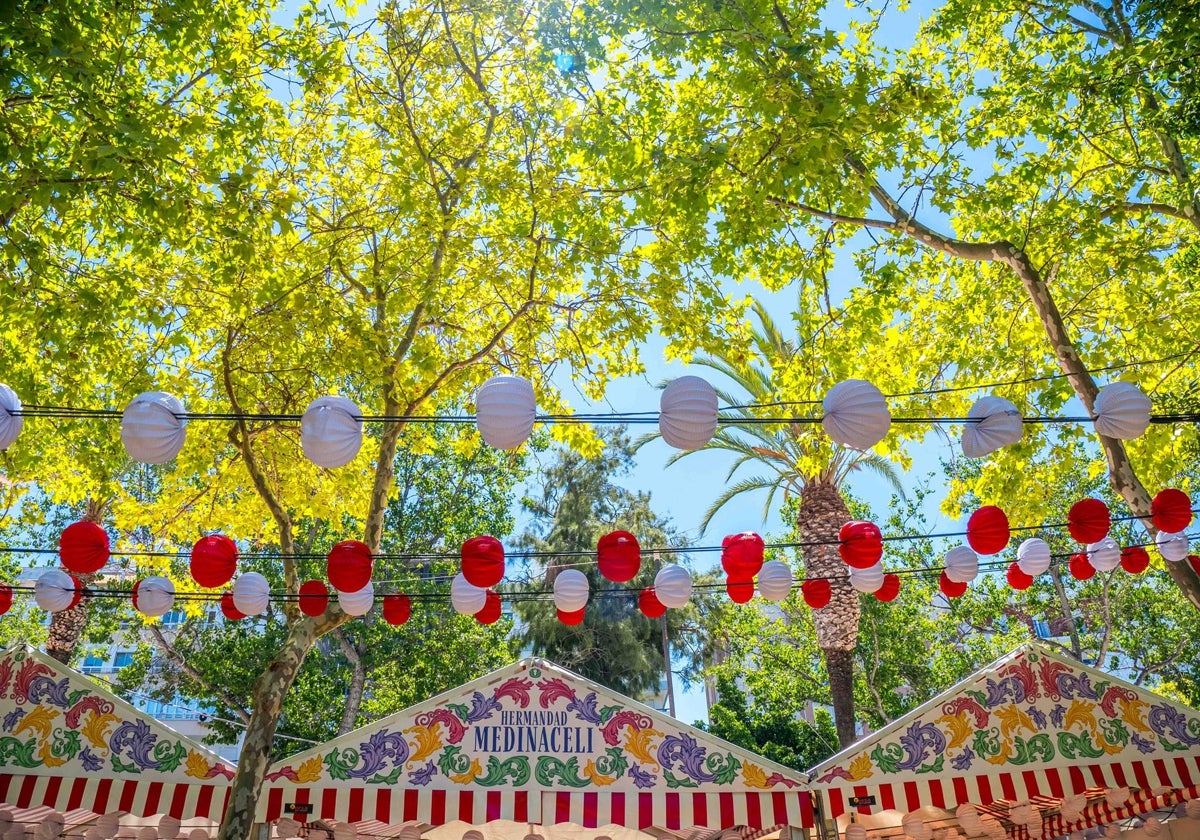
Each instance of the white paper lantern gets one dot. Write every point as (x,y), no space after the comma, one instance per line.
(330,432)
(856,414)
(147,832)
(286,828)
(688,413)
(967,816)
(197,834)
(1153,827)
(914,826)
(962,564)
(1020,813)
(357,603)
(168,827)
(345,831)
(1116,797)
(109,824)
(251,593)
(11,423)
(673,586)
(999,425)
(856,831)
(1104,555)
(155,596)
(775,580)
(1122,411)
(466,598)
(51,826)
(1172,547)
(1192,809)
(1033,556)
(570,590)
(152,428)
(505,410)
(16,831)
(867,580)
(54,590)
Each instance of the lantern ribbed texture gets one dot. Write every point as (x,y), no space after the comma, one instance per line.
(54,590)
(1172,547)
(83,547)
(156,596)
(1135,559)
(1080,567)
(1171,510)
(618,556)
(213,560)
(1104,555)
(197,834)
(1033,556)
(856,414)
(397,609)
(251,594)
(673,586)
(890,588)
(287,828)
(649,604)
(1017,578)
(860,544)
(228,610)
(688,413)
(1089,521)
(951,588)
(816,592)
(505,411)
(570,590)
(739,590)
(962,564)
(1122,411)
(987,530)
(482,561)
(492,609)
(169,827)
(742,555)
(349,565)
(999,426)
(330,432)
(466,598)
(109,824)
(10,422)
(152,427)
(775,580)
(867,580)
(314,597)
(358,602)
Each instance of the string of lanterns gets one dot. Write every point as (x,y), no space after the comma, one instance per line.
(84,549)
(855,415)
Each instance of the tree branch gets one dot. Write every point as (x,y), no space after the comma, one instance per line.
(169,651)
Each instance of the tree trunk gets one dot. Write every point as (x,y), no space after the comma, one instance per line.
(358,681)
(822,514)
(267,706)
(66,627)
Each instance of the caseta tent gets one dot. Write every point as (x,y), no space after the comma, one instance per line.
(534,744)
(1044,744)
(68,745)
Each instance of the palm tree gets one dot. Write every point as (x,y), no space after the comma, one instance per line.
(800,461)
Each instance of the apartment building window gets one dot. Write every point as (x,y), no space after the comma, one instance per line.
(123,658)
(174,618)
(1041,629)
(93,663)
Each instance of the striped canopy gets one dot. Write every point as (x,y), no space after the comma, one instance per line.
(1032,727)
(534,743)
(69,745)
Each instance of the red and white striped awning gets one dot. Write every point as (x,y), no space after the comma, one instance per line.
(949,791)
(141,798)
(671,810)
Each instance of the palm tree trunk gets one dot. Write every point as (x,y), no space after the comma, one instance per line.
(822,513)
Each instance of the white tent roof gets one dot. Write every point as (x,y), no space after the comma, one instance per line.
(1032,727)
(68,744)
(536,744)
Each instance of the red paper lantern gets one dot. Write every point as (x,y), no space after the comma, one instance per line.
(950,588)
(649,604)
(214,560)
(314,598)
(83,548)
(133,596)
(349,566)
(987,530)
(1135,559)
(742,556)
(890,588)
(492,608)
(1081,568)
(1194,562)
(619,556)
(5,598)
(572,618)
(231,612)
(817,593)
(740,590)
(78,592)
(860,544)
(1017,578)
(397,608)
(1171,511)
(1089,521)
(483,561)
